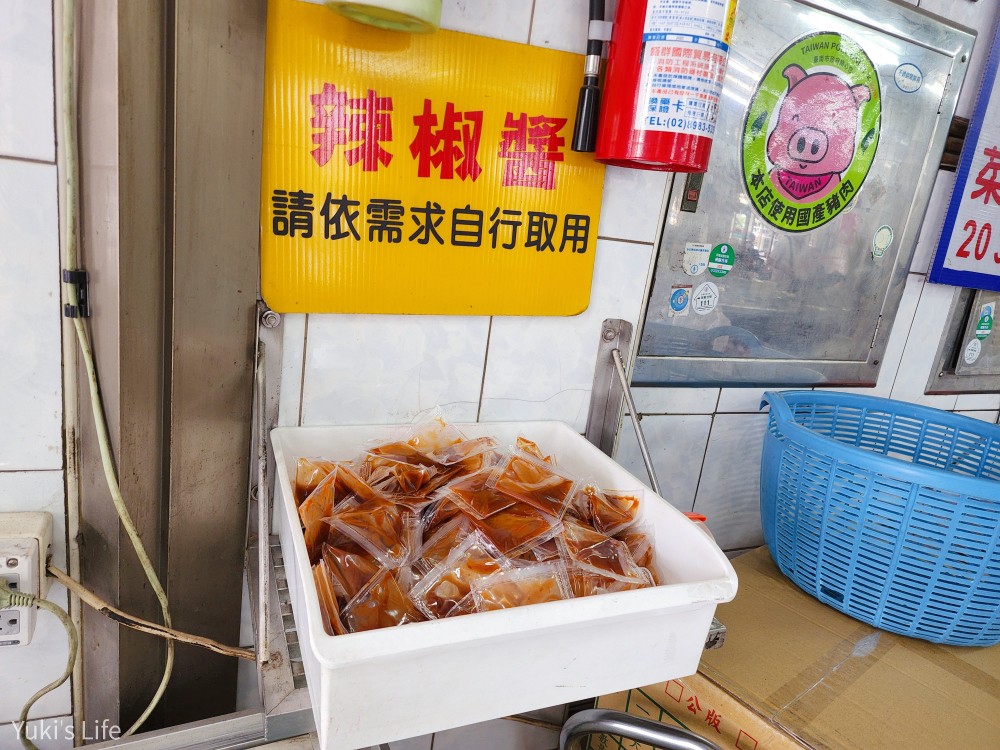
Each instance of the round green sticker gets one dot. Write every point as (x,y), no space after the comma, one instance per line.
(811,131)
(721,259)
(984,326)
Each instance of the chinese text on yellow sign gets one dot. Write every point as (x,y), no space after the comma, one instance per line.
(421,173)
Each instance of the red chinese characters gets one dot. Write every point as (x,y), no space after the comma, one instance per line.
(530,148)
(452,148)
(988,179)
(366,122)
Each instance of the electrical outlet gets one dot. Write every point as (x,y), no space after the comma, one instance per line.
(25,546)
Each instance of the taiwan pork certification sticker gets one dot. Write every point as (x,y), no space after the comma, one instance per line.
(811,131)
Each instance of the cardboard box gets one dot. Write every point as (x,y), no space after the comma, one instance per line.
(795,673)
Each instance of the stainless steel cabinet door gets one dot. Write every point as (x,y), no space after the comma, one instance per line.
(791,268)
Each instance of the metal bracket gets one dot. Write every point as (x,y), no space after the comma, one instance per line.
(610,387)
(79,279)
(606,394)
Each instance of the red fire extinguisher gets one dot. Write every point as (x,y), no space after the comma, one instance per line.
(666,62)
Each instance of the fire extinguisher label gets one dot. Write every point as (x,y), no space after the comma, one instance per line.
(684,51)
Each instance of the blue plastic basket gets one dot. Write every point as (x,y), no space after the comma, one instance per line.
(886,511)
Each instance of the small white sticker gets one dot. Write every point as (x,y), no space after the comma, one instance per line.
(908,78)
(696,258)
(881,240)
(972,351)
(705,298)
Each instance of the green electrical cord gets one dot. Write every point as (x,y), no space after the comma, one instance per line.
(10,598)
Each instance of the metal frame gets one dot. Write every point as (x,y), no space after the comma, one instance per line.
(943,377)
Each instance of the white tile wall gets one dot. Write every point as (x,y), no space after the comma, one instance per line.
(543,367)
(561,24)
(293,344)
(978,401)
(677,448)
(918,354)
(675,400)
(741,400)
(27,668)
(30,316)
(898,336)
(631,204)
(384,369)
(54,733)
(500,19)
(27,126)
(986,416)
(729,490)
(930,230)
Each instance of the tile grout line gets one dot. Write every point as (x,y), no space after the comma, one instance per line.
(27,160)
(704,457)
(531,20)
(302,375)
(486,359)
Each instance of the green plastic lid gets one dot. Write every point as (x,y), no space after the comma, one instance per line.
(414,16)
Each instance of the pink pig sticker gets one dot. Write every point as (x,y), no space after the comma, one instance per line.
(814,139)
(811,131)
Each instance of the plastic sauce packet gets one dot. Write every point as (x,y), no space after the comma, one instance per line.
(588,583)
(639,540)
(433,435)
(381,604)
(531,448)
(611,511)
(328,495)
(596,552)
(350,571)
(445,590)
(471,494)
(378,526)
(438,513)
(393,477)
(547,550)
(444,539)
(461,452)
(518,528)
(533,584)
(534,482)
(328,606)
(354,482)
(309,472)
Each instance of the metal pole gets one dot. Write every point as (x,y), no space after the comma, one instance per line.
(616,355)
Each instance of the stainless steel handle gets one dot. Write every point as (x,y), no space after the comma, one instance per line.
(580,726)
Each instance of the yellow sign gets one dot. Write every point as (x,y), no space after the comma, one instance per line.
(423,174)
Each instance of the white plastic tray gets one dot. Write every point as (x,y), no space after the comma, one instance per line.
(386,685)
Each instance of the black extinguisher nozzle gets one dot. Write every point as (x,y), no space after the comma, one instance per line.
(587,110)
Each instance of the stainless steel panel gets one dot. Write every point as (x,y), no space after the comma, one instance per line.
(951,374)
(987,363)
(218,62)
(806,307)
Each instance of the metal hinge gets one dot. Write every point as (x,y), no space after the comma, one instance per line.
(78,279)
(944,93)
(878,324)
